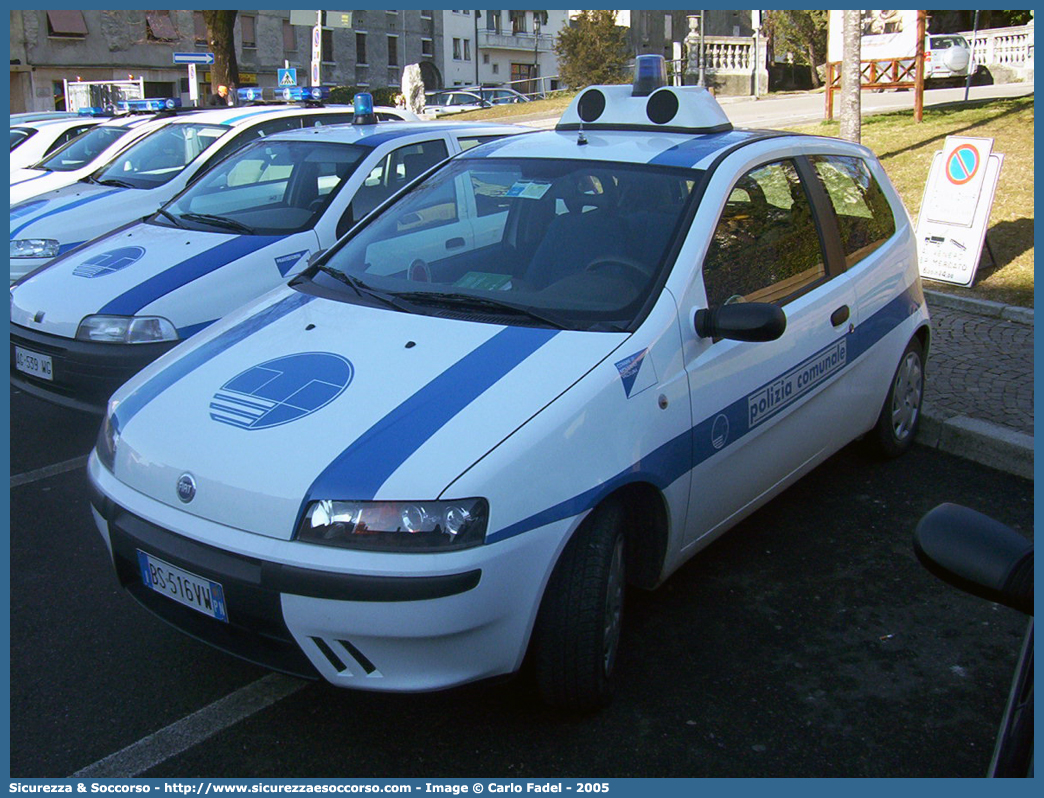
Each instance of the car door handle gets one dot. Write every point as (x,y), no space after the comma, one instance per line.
(455,243)
(839,316)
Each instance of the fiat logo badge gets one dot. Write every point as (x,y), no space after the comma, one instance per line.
(186,488)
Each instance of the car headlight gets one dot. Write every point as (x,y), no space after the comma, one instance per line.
(105,446)
(396,526)
(126,330)
(34,248)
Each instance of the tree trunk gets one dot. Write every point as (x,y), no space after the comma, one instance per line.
(851,109)
(816,82)
(222,42)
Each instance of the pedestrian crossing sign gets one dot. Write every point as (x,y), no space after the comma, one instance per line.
(287,77)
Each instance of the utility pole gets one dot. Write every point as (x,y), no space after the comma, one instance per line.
(972,67)
(919,68)
(703,54)
(851,77)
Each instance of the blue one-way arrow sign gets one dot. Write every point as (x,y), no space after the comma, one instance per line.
(193,58)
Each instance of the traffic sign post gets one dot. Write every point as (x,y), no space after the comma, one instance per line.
(193,85)
(286,77)
(193,58)
(317,49)
(955,209)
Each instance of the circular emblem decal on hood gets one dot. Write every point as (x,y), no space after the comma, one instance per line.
(186,488)
(109,262)
(281,390)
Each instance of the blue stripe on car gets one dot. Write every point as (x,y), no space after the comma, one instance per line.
(693,150)
(66,207)
(360,470)
(685,452)
(163,379)
(148,291)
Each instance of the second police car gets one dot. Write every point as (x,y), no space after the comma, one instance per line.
(145,175)
(91,319)
(406,471)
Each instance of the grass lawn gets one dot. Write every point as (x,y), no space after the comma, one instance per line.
(906,149)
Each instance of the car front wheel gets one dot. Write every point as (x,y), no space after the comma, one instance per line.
(577,637)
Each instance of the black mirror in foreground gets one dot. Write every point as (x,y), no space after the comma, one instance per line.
(742,321)
(988,559)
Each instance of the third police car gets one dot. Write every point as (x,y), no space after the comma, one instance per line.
(94,317)
(432,452)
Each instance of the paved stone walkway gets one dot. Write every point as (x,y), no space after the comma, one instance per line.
(982,368)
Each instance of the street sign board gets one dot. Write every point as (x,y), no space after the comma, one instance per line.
(955,209)
(338,19)
(193,58)
(286,77)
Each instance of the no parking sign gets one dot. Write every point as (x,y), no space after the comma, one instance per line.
(951,227)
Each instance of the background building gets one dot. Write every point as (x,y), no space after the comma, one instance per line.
(48,47)
(501,48)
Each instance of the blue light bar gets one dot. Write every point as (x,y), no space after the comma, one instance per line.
(94,110)
(650,74)
(363,106)
(254,95)
(141,106)
(302,93)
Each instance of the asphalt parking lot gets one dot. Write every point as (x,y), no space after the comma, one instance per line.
(808,641)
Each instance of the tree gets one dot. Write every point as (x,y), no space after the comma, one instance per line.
(592,51)
(222,42)
(851,77)
(803,33)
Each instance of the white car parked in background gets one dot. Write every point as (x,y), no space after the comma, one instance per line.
(31,141)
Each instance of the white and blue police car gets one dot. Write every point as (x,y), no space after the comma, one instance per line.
(96,147)
(91,319)
(145,175)
(406,471)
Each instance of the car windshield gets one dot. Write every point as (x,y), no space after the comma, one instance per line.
(81,150)
(160,156)
(18,135)
(574,244)
(268,188)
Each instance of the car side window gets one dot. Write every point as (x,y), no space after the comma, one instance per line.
(766,246)
(396,169)
(863,214)
(467,142)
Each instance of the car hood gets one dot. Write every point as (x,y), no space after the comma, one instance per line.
(124,273)
(298,398)
(74,214)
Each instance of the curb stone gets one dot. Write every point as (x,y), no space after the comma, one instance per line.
(981,307)
(979,441)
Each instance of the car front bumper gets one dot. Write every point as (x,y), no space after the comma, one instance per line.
(371,621)
(85,374)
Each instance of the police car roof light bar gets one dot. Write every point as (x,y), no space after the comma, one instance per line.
(148,106)
(650,74)
(363,105)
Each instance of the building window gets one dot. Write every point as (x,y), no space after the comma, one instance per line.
(518,21)
(289,37)
(360,49)
(68,24)
(456,49)
(200,26)
(485,58)
(248,25)
(427,48)
(393,51)
(467,49)
(426,14)
(159,28)
(496,69)
(493,21)
(328,48)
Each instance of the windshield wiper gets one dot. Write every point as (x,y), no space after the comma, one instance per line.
(112,181)
(484,303)
(219,221)
(168,215)
(362,289)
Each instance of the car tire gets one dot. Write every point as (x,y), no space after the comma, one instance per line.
(577,635)
(900,416)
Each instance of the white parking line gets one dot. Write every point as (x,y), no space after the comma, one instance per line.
(48,471)
(181,735)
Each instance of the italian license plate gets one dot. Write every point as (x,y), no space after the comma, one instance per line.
(33,363)
(186,588)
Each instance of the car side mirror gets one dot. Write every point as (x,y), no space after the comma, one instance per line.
(977,554)
(741,321)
